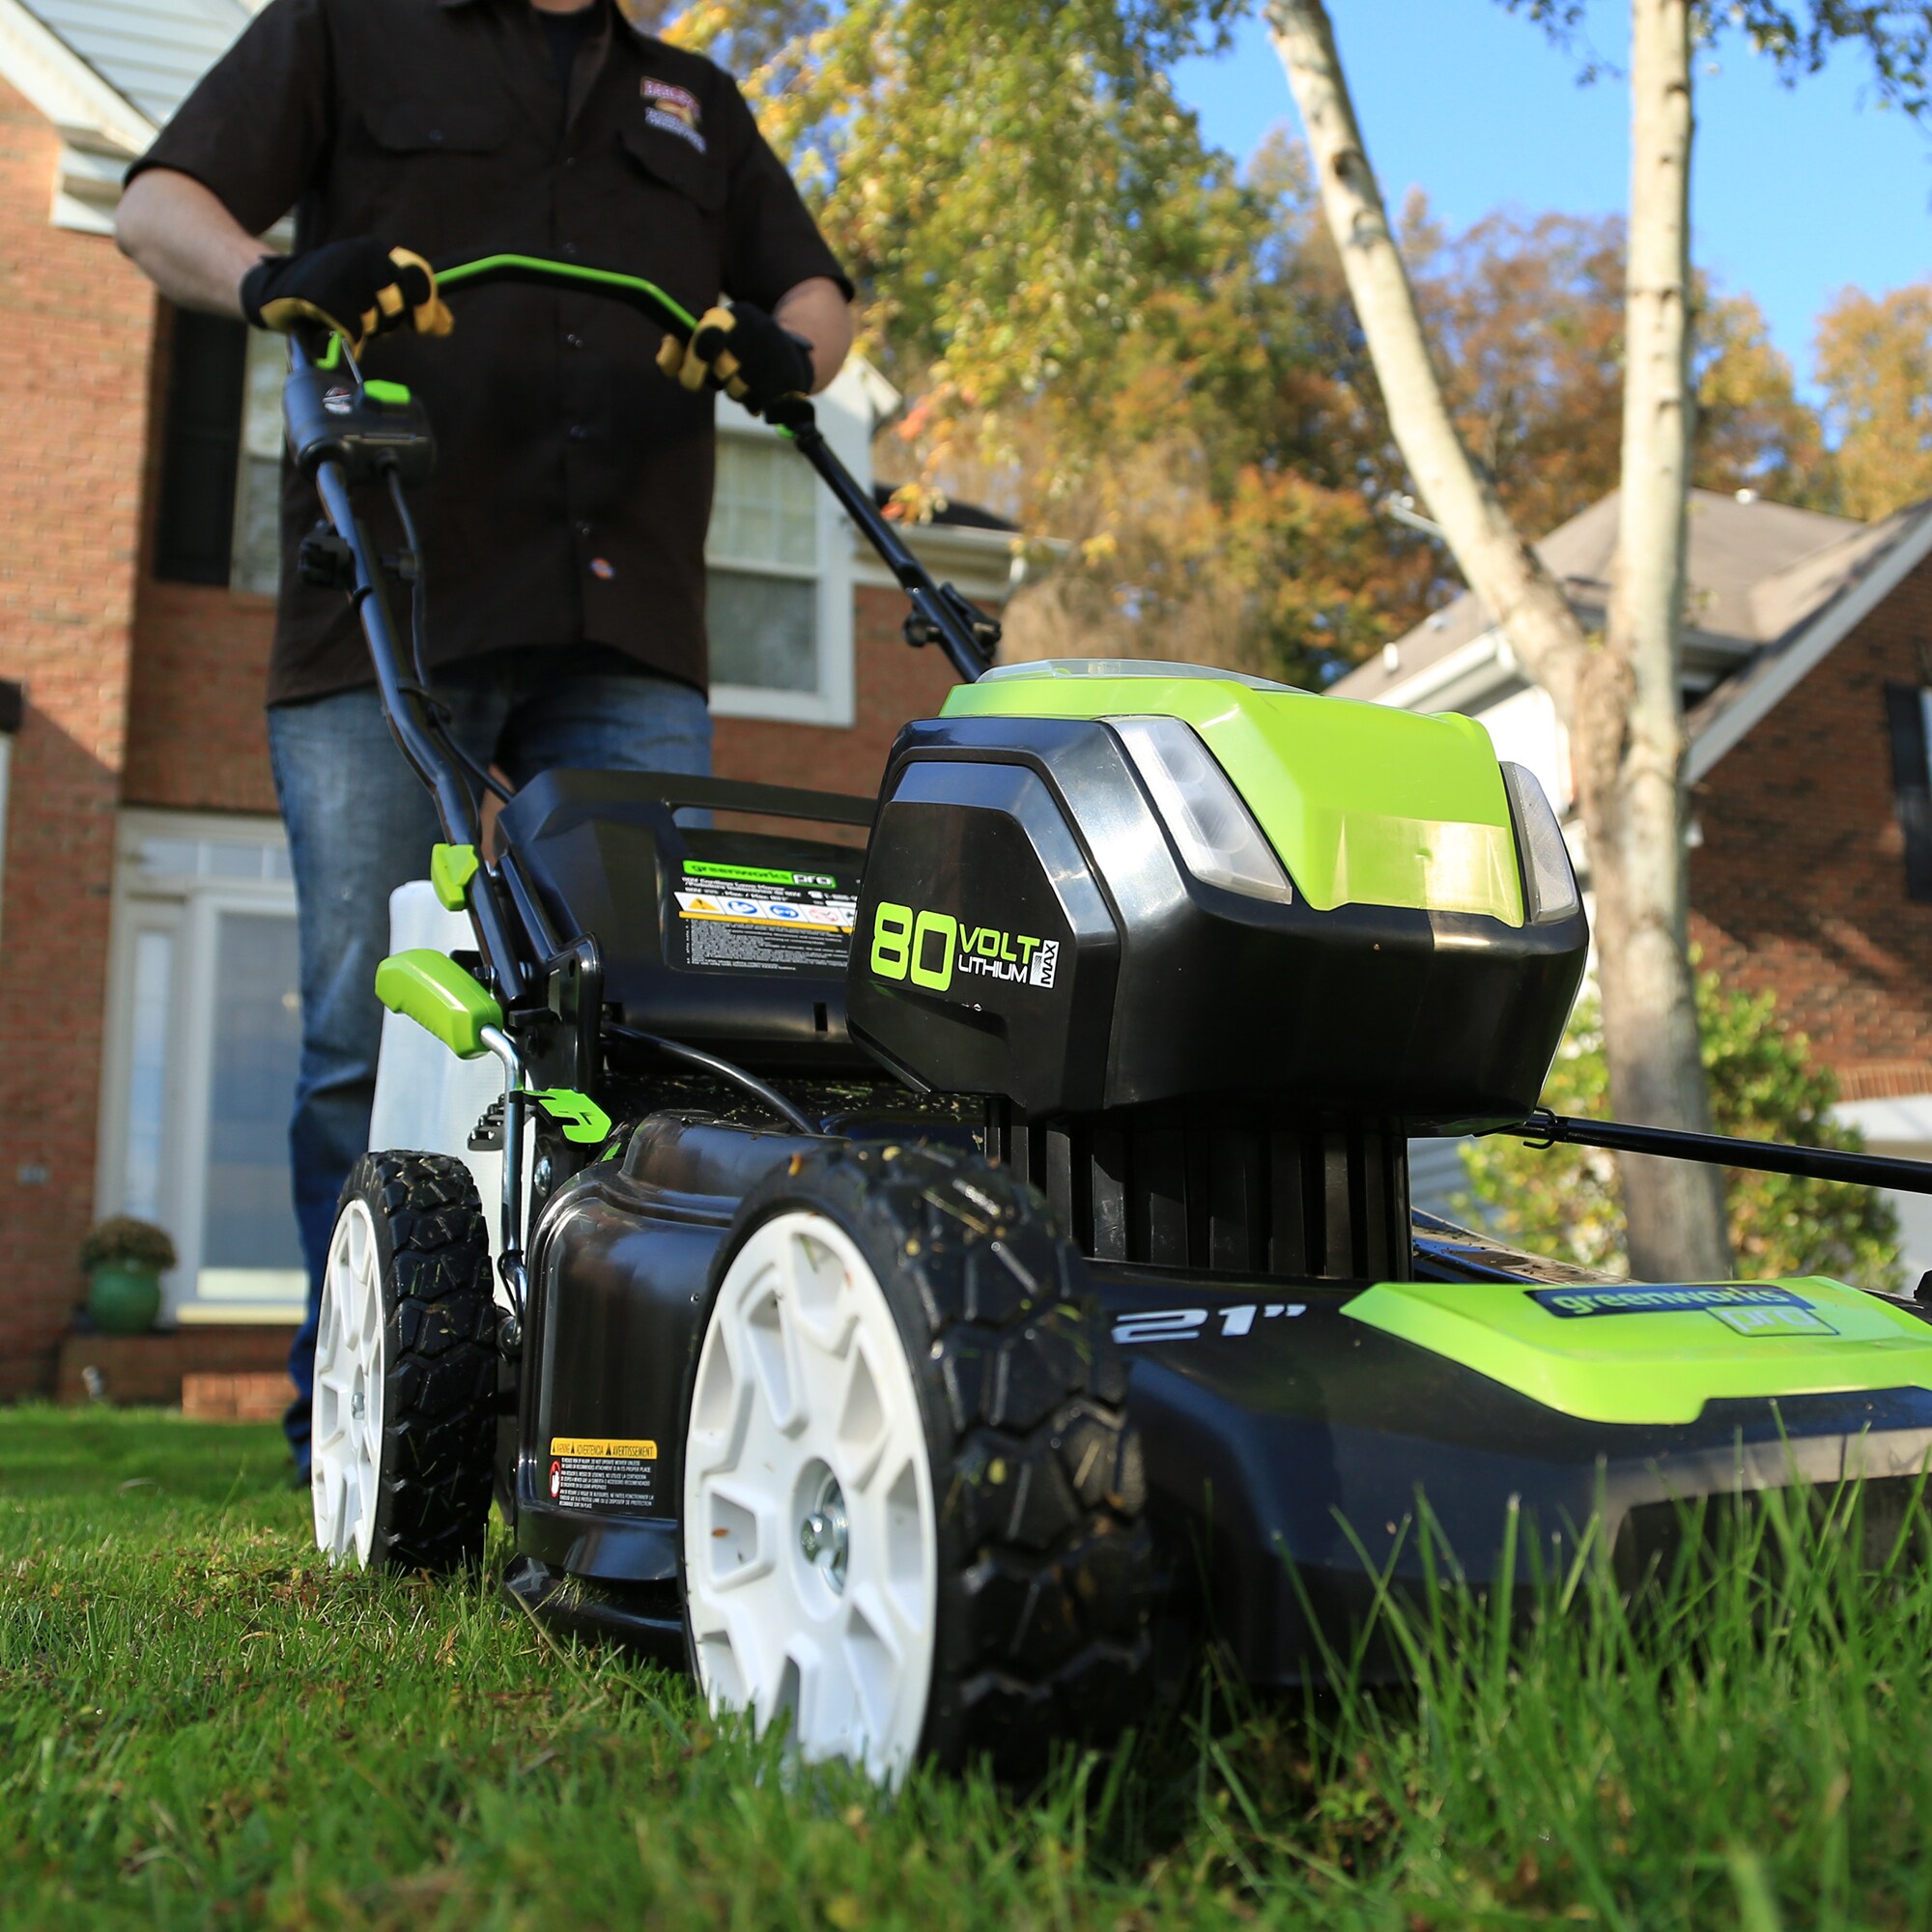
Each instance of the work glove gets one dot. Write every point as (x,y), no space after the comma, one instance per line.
(356,288)
(743,352)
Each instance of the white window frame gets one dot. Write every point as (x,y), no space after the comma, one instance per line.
(189,912)
(845,416)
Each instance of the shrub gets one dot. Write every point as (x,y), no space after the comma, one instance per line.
(1566,1201)
(130,1243)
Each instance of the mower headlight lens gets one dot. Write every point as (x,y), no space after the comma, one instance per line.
(1549,878)
(1219,842)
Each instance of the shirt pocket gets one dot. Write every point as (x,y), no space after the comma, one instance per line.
(435,128)
(670,159)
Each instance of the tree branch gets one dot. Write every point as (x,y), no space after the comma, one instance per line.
(1526,601)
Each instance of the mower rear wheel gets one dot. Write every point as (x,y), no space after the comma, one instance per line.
(405,1370)
(911,1499)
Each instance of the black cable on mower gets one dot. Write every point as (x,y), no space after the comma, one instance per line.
(768,1096)
(437,712)
(1544,1129)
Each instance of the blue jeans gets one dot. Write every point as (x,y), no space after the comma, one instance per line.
(361,824)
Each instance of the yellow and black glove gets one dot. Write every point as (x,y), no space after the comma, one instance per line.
(743,352)
(358,288)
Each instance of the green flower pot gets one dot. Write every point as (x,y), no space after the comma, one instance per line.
(124,1298)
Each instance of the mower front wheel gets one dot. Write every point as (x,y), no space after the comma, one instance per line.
(911,1498)
(405,1370)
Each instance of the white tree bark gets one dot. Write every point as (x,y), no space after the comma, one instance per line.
(1630,765)
(1503,571)
(1618,701)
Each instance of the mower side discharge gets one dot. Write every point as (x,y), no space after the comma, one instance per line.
(1287,1434)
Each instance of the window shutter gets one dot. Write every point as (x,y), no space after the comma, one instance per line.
(1912,784)
(194,529)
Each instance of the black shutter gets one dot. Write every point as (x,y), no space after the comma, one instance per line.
(194,530)
(1912,784)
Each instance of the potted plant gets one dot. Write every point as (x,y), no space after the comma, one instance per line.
(122,1258)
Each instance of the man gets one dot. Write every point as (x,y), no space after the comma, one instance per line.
(563,533)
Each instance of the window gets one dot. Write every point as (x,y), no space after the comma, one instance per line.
(1909,720)
(203,1035)
(256,563)
(763,558)
(194,534)
(221,461)
(11,706)
(779,562)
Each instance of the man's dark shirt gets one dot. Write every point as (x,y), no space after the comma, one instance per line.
(565,33)
(573,484)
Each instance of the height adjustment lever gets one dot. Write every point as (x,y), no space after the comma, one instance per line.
(924,625)
(326,560)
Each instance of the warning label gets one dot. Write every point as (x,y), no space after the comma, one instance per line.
(757,918)
(594,1473)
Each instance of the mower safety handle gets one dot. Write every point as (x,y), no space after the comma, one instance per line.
(941,614)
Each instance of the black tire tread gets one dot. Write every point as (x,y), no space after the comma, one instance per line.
(1044,1555)
(440,1383)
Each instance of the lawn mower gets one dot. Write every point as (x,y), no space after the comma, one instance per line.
(944,1242)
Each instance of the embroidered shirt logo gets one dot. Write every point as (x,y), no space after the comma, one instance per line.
(675,109)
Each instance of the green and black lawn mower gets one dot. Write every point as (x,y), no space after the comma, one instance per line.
(931,1253)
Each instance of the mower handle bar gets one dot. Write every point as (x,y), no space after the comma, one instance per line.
(941,614)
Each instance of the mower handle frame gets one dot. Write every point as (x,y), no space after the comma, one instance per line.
(320,430)
(941,614)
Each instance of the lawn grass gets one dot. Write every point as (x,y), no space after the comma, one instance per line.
(199,1724)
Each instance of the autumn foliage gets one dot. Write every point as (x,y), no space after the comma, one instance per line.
(1150,361)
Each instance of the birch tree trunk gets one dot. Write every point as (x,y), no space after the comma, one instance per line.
(1630,757)
(1619,702)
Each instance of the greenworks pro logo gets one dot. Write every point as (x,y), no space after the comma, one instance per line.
(930,948)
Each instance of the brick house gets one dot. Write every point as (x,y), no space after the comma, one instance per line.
(1807,684)
(141,861)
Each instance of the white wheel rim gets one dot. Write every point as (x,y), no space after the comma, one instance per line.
(346,1443)
(803,1409)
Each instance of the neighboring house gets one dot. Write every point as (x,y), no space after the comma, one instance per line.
(148,1011)
(1808,682)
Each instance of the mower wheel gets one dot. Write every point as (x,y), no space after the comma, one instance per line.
(911,1499)
(405,1370)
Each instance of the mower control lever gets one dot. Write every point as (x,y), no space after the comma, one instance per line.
(369,429)
(986,631)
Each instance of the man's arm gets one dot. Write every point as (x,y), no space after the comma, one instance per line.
(182,237)
(818,311)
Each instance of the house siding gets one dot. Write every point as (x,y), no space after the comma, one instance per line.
(76,325)
(1798,884)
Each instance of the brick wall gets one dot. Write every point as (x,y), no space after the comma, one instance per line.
(75,323)
(148,1367)
(1798,884)
(196,740)
(197,736)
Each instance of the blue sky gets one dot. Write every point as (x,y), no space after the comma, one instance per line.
(1795,194)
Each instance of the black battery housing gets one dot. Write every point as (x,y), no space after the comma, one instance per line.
(1034,839)
(604,855)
